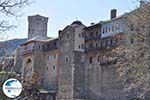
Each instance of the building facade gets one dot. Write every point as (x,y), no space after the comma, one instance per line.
(79,64)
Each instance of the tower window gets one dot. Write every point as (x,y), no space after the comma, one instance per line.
(90,60)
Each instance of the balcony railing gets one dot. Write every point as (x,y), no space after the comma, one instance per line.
(47,48)
(92,38)
(110,46)
(26,51)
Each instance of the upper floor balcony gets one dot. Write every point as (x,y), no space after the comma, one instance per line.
(99,48)
(92,37)
(25,49)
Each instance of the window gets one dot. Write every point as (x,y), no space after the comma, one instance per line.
(96,33)
(109,29)
(96,45)
(54,56)
(103,31)
(39,47)
(106,29)
(90,60)
(67,36)
(79,47)
(112,28)
(131,27)
(29,61)
(91,34)
(131,40)
(66,59)
(54,67)
(79,35)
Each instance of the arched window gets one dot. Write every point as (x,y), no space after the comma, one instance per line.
(28,61)
(90,60)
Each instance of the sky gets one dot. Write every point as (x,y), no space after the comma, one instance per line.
(63,12)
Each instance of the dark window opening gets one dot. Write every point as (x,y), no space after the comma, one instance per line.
(96,45)
(106,29)
(106,43)
(29,61)
(54,67)
(98,59)
(103,31)
(79,47)
(67,36)
(112,28)
(66,59)
(79,35)
(91,60)
(131,27)
(54,56)
(131,40)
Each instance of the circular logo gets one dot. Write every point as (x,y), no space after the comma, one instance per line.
(12,88)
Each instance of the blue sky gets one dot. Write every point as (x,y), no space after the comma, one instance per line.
(64,12)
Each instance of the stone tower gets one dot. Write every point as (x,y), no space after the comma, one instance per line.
(71,74)
(37,26)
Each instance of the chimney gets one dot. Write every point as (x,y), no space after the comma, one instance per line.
(113,13)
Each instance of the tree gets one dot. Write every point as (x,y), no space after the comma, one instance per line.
(133,55)
(10,8)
